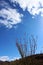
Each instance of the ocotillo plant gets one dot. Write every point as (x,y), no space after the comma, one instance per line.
(24,48)
(20,48)
(33,45)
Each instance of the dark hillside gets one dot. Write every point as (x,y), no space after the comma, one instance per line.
(30,60)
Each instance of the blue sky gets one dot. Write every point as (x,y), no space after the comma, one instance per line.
(16,18)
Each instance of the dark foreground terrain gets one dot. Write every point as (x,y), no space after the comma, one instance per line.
(30,60)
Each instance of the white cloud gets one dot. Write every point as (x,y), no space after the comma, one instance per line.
(10,16)
(7,58)
(4,58)
(33,6)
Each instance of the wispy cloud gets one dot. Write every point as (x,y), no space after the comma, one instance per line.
(4,4)
(9,16)
(35,7)
(7,58)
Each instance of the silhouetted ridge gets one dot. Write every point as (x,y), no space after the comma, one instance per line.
(30,60)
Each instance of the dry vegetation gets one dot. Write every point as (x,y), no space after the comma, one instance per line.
(30,60)
(27,58)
